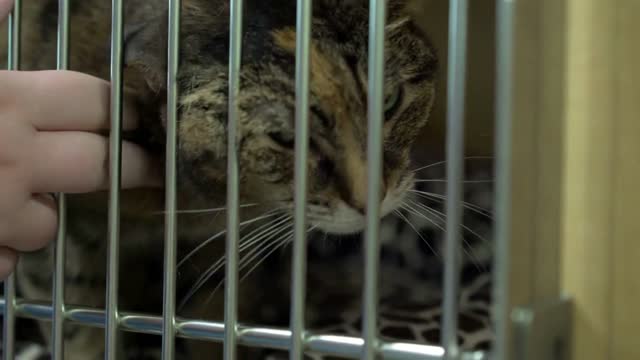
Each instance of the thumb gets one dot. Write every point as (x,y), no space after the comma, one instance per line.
(5,8)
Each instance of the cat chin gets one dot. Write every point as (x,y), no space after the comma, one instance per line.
(347,221)
(341,229)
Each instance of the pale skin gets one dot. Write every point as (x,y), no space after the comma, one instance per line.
(48,144)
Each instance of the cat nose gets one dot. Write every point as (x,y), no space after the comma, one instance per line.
(355,183)
(360,196)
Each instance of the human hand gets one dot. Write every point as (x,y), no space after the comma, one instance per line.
(5,7)
(49,143)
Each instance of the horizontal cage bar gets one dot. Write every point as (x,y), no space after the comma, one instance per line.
(272,338)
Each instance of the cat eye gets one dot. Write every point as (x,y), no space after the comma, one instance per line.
(393,102)
(284,139)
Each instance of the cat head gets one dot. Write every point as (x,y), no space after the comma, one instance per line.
(337,161)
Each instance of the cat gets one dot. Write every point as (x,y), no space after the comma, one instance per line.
(337,156)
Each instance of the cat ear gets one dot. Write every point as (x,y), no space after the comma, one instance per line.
(403,14)
(145,52)
(398,23)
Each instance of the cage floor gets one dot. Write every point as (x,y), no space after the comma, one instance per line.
(411,321)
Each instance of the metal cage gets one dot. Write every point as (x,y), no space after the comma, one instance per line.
(295,339)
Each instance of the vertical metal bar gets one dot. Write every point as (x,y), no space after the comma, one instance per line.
(9,317)
(170,223)
(377,18)
(233,193)
(455,172)
(504,82)
(115,162)
(299,271)
(57,326)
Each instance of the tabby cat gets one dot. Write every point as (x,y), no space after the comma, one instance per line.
(337,157)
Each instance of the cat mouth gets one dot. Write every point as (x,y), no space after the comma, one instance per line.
(340,227)
(345,220)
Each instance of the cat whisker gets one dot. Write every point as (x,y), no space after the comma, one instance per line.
(256,253)
(263,248)
(443,216)
(285,240)
(278,245)
(267,233)
(275,246)
(440,226)
(441,198)
(267,244)
(466,247)
(330,220)
(211,270)
(465,244)
(445,180)
(272,228)
(445,161)
(222,232)
(405,219)
(203,211)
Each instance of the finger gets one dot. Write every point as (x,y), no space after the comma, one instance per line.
(5,8)
(8,260)
(78,162)
(32,227)
(66,100)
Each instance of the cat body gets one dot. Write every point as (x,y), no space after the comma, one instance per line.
(337,157)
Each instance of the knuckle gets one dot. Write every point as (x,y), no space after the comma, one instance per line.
(12,140)
(6,231)
(6,91)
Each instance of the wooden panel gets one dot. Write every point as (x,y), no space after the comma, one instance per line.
(526,89)
(589,184)
(538,141)
(538,136)
(576,167)
(550,136)
(625,302)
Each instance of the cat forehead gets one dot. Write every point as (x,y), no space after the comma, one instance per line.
(322,65)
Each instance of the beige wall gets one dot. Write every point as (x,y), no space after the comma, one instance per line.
(601,250)
(576,167)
